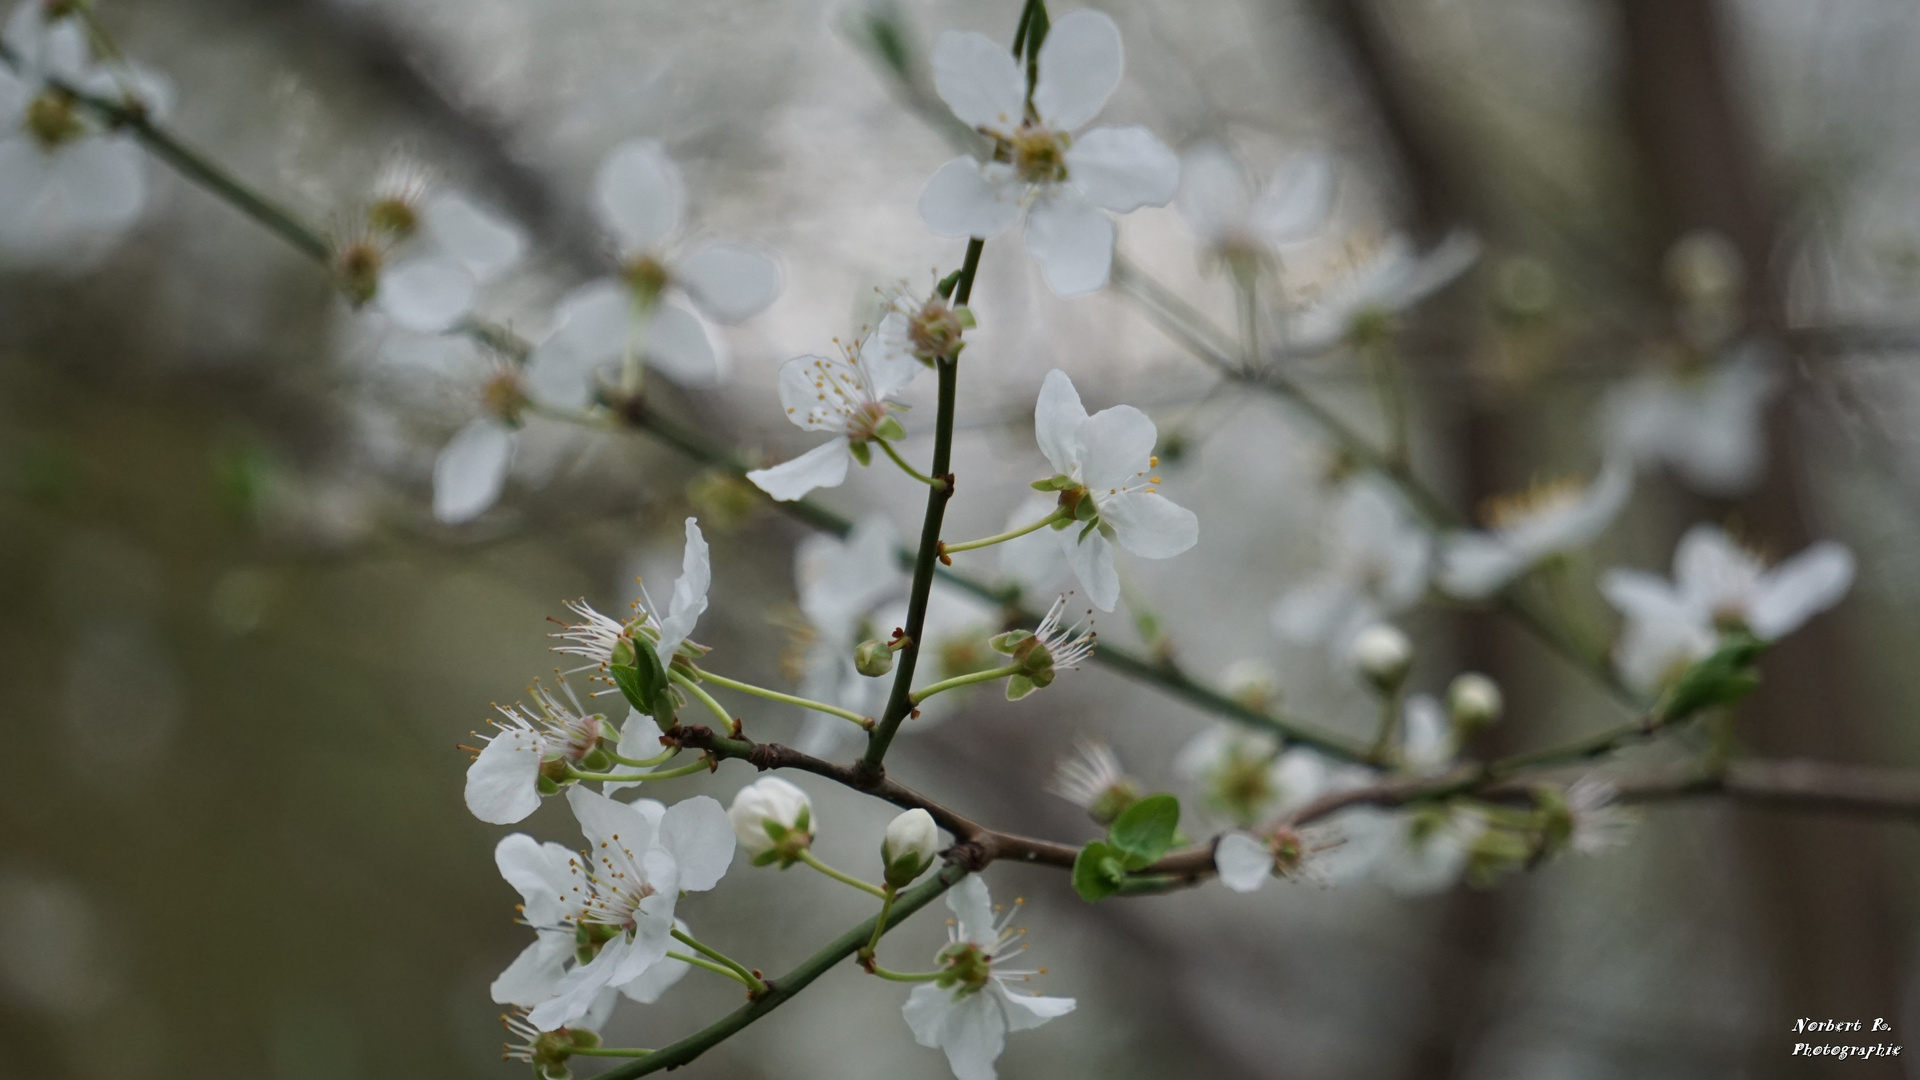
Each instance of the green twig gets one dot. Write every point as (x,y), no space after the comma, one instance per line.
(807,856)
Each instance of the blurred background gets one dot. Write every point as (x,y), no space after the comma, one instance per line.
(238,653)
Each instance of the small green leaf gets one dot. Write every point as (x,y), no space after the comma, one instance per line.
(1145,831)
(1720,679)
(1006,643)
(946,286)
(645,685)
(1098,872)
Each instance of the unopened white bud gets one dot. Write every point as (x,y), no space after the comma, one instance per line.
(1383,655)
(1474,701)
(909,847)
(1251,682)
(773,820)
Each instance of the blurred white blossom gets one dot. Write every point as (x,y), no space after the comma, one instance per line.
(1526,529)
(1706,425)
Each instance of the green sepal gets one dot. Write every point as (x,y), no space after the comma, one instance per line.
(889,429)
(1085,510)
(645,685)
(1098,871)
(947,284)
(775,831)
(965,317)
(862,453)
(1008,643)
(1020,686)
(596,760)
(547,786)
(766,858)
(1145,831)
(1720,679)
(1058,482)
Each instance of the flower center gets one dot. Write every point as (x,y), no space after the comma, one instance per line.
(648,278)
(934,330)
(504,397)
(51,121)
(1506,511)
(1242,786)
(863,418)
(968,967)
(357,266)
(394,217)
(1039,156)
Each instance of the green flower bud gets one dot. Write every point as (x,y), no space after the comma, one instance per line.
(908,850)
(872,658)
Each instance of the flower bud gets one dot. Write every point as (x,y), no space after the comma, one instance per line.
(873,658)
(1474,702)
(912,839)
(773,820)
(1251,682)
(1383,656)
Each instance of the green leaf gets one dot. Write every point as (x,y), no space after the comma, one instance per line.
(1098,871)
(1145,830)
(1720,679)
(645,685)
(946,286)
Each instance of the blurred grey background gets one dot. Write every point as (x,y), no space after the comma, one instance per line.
(237,654)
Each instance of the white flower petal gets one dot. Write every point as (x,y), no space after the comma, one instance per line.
(579,990)
(823,466)
(1150,525)
(967,198)
(647,987)
(676,343)
(1801,587)
(1080,66)
(1072,240)
(689,593)
(980,81)
(731,282)
(487,245)
(1212,199)
(1474,566)
(538,872)
(535,974)
(1116,448)
(639,195)
(1294,204)
(427,295)
(1057,419)
(1426,742)
(1243,861)
(973,909)
(501,782)
(802,397)
(889,358)
(471,470)
(1123,168)
(1028,1011)
(591,328)
(101,181)
(697,833)
(1092,562)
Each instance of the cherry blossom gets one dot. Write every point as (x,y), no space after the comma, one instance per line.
(970,1009)
(1377,562)
(850,397)
(1243,228)
(504,781)
(1527,529)
(1706,424)
(1106,460)
(447,249)
(1060,184)
(1393,279)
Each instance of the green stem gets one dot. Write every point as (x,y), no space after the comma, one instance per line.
(690,686)
(887,447)
(664,774)
(753,982)
(807,856)
(644,763)
(1392,392)
(790,699)
(608,1051)
(1389,723)
(907,976)
(718,969)
(786,986)
(879,926)
(1001,538)
(926,692)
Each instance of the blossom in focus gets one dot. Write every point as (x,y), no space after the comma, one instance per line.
(1393,279)
(772,819)
(640,857)
(1052,645)
(1060,184)
(907,850)
(1104,465)
(1245,861)
(547,877)
(850,397)
(505,781)
(1525,530)
(639,197)
(969,1010)
(69,186)
(1717,586)
(1244,228)
(1706,425)
(1376,561)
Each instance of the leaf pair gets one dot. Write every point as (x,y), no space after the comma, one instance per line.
(1137,839)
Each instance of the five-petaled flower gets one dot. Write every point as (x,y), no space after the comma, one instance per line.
(1104,466)
(852,397)
(1061,184)
(1705,423)
(531,754)
(1244,229)
(1377,562)
(641,856)
(1547,521)
(971,1007)
(1717,587)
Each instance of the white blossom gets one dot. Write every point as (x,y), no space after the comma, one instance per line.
(503,783)
(1377,560)
(1717,586)
(1109,455)
(1092,778)
(1244,776)
(1597,823)
(1707,425)
(907,850)
(435,272)
(1410,852)
(1062,185)
(768,813)
(1392,280)
(1547,521)
(850,397)
(841,583)
(973,1006)
(69,187)
(552,890)
(1382,654)
(640,857)
(639,197)
(1246,861)
(1240,226)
